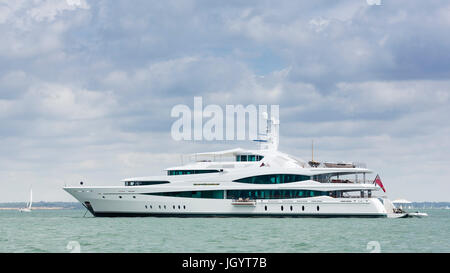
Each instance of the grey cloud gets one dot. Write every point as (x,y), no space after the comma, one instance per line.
(86,92)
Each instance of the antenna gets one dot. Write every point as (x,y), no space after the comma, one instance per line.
(313,163)
(270,139)
(266,117)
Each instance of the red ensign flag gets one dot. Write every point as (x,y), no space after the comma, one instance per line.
(378,182)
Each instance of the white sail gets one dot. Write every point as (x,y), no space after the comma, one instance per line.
(31,199)
(28,207)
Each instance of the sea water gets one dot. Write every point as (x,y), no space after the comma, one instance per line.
(69,231)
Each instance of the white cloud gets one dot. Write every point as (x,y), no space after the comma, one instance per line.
(8,8)
(141,160)
(319,24)
(56,101)
(373,2)
(380,96)
(60,101)
(49,9)
(258,27)
(6,107)
(31,28)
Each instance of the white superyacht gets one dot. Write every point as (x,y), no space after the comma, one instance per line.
(263,182)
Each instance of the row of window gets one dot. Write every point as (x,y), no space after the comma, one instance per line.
(120,197)
(165,207)
(193,194)
(184,207)
(292,208)
(252,194)
(259,179)
(197,193)
(273,179)
(249,157)
(274,194)
(184,172)
(144,183)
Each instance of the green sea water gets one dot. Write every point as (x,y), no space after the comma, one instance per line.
(68,230)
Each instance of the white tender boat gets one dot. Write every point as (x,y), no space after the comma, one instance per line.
(417,214)
(397,215)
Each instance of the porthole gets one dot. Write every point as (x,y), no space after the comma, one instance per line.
(134,197)
(318,208)
(159,206)
(120,197)
(173,206)
(150,206)
(164,206)
(282,208)
(146,207)
(184,207)
(103,197)
(303,208)
(265,208)
(291,208)
(179,207)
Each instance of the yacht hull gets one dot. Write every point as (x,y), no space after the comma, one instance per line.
(111,203)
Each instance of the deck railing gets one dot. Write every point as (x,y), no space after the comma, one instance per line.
(352,181)
(243,202)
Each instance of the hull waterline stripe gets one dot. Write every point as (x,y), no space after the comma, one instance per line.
(279,215)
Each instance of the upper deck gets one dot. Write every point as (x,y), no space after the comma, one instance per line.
(237,164)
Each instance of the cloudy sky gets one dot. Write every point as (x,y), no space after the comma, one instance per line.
(86,87)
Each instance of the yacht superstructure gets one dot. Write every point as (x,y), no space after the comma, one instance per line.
(241,182)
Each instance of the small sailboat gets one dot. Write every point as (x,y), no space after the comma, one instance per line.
(28,207)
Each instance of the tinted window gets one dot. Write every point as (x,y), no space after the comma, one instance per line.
(144,183)
(273,179)
(192,194)
(184,172)
(273,194)
(249,157)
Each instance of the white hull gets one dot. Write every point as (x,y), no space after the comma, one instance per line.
(135,204)
(417,214)
(397,215)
